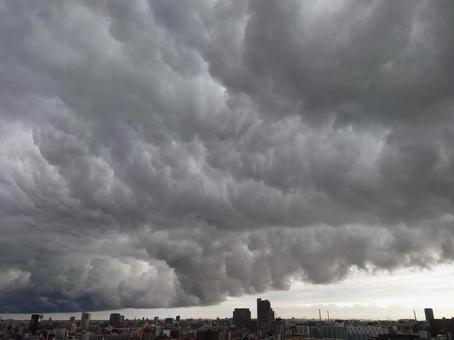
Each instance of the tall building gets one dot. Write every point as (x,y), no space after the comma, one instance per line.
(116,320)
(264,316)
(34,323)
(429,314)
(241,317)
(85,321)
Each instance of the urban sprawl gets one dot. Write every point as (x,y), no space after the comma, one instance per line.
(240,326)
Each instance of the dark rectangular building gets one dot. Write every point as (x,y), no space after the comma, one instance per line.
(34,322)
(241,317)
(429,313)
(116,320)
(264,316)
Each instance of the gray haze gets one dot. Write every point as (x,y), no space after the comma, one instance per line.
(173,153)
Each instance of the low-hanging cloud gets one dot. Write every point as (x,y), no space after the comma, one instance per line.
(168,153)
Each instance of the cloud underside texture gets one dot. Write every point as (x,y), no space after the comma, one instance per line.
(173,153)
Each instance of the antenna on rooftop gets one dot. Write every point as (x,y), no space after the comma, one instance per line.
(414,313)
(327,312)
(319,314)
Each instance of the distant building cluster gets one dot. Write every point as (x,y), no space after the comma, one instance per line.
(240,327)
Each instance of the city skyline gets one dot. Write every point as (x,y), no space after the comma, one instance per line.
(166,155)
(316,313)
(239,326)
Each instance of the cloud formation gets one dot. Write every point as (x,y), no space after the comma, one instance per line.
(167,153)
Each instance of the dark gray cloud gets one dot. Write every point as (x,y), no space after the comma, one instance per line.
(167,153)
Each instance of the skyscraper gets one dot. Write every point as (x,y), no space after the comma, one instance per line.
(85,321)
(241,317)
(34,323)
(429,314)
(264,316)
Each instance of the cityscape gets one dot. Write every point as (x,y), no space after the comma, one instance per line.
(242,325)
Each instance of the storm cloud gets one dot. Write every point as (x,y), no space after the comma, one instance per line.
(173,153)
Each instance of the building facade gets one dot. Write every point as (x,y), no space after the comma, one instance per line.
(85,321)
(241,317)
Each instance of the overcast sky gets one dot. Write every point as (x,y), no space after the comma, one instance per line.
(163,154)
